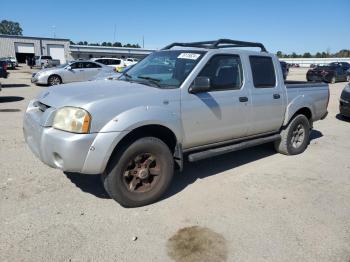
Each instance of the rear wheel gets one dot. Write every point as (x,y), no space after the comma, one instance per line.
(295,137)
(54,80)
(347,78)
(139,173)
(333,80)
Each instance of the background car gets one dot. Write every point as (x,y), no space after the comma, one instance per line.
(131,61)
(72,72)
(285,69)
(344,101)
(3,69)
(328,73)
(9,63)
(13,60)
(116,63)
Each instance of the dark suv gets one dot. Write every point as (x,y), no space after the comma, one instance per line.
(329,73)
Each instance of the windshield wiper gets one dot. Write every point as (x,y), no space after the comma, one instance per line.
(127,75)
(151,79)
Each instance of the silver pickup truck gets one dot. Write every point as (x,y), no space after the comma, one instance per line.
(187,101)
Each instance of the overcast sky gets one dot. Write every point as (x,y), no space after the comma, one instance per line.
(290,26)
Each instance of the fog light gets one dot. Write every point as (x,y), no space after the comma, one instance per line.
(58,161)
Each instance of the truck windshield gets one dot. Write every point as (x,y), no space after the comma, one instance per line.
(164,69)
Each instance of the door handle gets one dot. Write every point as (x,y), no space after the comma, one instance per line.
(276,96)
(243,99)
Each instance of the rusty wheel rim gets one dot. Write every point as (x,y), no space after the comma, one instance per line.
(142,173)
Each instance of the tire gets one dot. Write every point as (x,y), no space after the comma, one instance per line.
(54,80)
(347,78)
(292,142)
(333,80)
(129,180)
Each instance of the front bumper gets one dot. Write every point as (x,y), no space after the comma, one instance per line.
(82,153)
(39,79)
(344,107)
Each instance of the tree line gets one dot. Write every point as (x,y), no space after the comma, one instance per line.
(341,53)
(115,44)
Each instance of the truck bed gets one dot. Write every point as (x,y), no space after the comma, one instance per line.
(304,84)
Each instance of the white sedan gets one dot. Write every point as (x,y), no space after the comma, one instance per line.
(76,71)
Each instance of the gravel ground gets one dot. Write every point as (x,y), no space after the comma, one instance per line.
(252,205)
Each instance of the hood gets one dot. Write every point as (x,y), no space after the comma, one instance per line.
(106,99)
(83,94)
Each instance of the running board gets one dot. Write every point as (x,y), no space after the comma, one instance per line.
(231,148)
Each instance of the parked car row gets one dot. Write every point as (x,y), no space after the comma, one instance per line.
(331,73)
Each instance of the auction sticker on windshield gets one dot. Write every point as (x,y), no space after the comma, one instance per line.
(191,56)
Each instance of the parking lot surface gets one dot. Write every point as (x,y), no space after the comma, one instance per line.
(252,205)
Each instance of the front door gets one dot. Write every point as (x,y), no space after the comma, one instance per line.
(220,114)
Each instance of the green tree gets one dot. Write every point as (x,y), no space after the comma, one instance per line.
(10,28)
(307,55)
(279,54)
(318,55)
(117,44)
(109,44)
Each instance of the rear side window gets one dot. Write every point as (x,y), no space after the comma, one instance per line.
(263,71)
(46,57)
(102,61)
(224,71)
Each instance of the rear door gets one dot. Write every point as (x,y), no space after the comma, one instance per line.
(268,95)
(91,69)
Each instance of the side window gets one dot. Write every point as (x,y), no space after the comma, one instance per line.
(224,71)
(263,71)
(91,65)
(76,65)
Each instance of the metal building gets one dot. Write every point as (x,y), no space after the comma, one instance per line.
(23,47)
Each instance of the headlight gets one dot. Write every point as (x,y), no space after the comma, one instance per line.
(72,119)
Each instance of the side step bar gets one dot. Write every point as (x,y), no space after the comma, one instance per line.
(231,148)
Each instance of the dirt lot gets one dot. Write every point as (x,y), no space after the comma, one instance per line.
(252,205)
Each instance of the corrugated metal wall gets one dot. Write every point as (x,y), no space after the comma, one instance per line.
(7,45)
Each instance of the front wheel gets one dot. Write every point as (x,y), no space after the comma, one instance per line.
(54,80)
(295,137)
(139,173)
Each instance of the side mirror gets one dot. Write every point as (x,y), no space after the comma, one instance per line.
(69,68)
(200,84)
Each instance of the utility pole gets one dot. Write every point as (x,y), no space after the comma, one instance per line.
(54,31)
(115,28)
(143,42)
